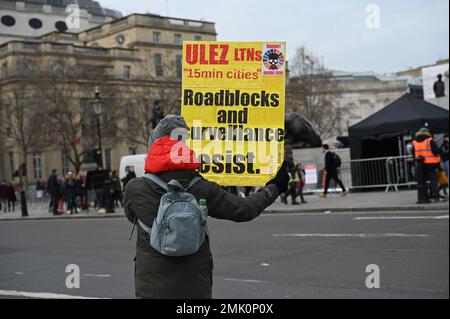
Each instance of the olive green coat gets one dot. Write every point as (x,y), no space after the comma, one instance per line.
(189,277)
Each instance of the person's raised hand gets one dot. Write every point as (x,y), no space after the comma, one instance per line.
(281,180)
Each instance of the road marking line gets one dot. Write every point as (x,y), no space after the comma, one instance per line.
(100,276)
(287,214)
(246,280)
(42,295)
(387,235)
(401,217)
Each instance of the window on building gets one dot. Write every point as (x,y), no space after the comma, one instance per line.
(37,166)
(132,151)
(108,159)
(159,64)
(35,23)
(65,162)
(156,37)
(130,117)
(179,65)
(90,156)
(4,70)
(56,3)
(127,72)
(61,26)
(8,21)
(8,119)
(11,164)
(34,110)
(197,38)
(177,39)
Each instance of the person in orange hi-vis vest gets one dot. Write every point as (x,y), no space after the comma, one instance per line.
(426,153)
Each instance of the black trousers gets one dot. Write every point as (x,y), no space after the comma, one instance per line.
(292,190)
(300,193)
(11,203)
(333,175)
(54,203)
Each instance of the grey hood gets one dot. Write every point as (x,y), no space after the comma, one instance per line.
(166,127)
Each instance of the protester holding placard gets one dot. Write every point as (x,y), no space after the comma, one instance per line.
(171,160)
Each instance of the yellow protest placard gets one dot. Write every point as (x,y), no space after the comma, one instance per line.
(234,103)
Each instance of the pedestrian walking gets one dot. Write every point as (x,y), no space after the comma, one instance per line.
(428,161)
(40,190)
(117,195)
(294,178)
(83,191)
(3,195)
(301,183)
(12,198)
(160,276)
(71,193)
(61,199)
(332,164)
(129,177)
(53,189)
(108,194)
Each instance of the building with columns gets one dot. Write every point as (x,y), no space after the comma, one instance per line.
(136,63)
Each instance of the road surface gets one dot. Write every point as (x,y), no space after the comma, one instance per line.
(275,256)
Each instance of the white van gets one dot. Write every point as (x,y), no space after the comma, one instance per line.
(136,161)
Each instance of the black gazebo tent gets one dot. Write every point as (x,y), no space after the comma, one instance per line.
(385,133)
(378,135)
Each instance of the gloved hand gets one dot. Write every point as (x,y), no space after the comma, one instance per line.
(281,180)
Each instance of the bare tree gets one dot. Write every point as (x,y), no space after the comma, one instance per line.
(312,92)
(67,89)
(22,115)
(163,92)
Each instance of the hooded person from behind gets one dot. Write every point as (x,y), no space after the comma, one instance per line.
(189,277)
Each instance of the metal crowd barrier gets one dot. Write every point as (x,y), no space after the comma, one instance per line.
(384,172)
(388,173)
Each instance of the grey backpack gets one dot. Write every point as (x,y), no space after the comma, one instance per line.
(179,228)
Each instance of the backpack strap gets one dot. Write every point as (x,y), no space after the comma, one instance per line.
(157,180)
(193,182)
(148,230)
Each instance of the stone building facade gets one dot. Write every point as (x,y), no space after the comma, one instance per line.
(138,52)
(358,95)
(365,94)
(28,19)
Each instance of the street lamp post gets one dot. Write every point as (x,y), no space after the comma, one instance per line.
(23,199)
(97,105)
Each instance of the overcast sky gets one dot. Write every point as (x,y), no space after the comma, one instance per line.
(411,32)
